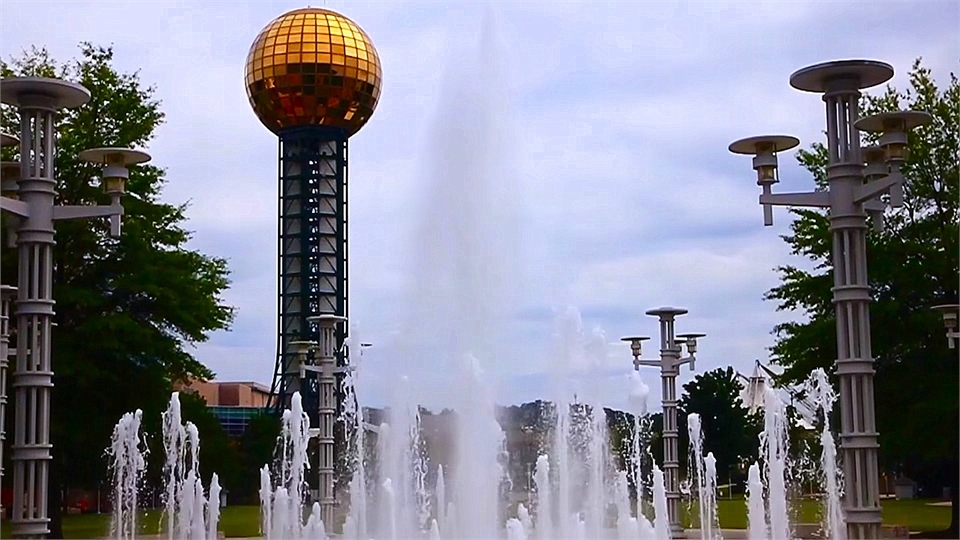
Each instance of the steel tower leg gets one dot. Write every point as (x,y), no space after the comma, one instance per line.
(313,265)
(313,285)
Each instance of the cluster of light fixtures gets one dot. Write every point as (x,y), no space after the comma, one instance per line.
(882,162)
(113,178)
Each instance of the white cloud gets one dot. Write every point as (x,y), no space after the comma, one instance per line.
(619,115)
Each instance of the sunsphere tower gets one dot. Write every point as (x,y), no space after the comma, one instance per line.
(313,78)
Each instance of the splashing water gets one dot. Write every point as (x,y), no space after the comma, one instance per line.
(704,472)
(281,507)
(401,462)
(821,392)
(545,510)
(479,445)
(189,514)
(440,492)
(357,524)
(127,463)
(458,322)
(515,530)
(774,449)
(661,522)
(756,517)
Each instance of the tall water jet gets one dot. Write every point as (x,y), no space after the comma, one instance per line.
(545,510)
(266,503)
(626,523)
(480,441)
(774,449)
(463,269)
(402,462)
(661,522)
(822,394)
(561,445)
(282,507)
(357,523)
(213,507)
(710,525)
(389,497)
(440,492)
(174,440)
(569,433)
(598,450)
(187,510)
(639,443)
(704,479)
(756,514)
(127,454)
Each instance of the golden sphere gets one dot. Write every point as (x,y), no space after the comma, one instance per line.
(313,66)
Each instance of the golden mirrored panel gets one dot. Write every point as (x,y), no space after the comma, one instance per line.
(313,66)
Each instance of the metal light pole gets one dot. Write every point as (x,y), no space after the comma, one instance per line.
(853,191)
(7,294)
(669,364)
(9,173)
(950,314)
(325,369)
(38,100)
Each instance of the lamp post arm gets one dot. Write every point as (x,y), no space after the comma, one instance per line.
(819,199)
(651,363)
(18,208)
(86,211)
(875,188)
(874,205)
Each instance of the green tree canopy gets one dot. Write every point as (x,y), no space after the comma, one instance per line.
(730,431)
(127,309)
(913,265)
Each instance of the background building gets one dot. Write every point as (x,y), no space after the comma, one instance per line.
(233,403)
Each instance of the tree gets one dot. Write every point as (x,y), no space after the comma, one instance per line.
(730,431)
(913,265)
(127,308)
(683,439)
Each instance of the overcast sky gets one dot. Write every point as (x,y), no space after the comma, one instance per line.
(612,191)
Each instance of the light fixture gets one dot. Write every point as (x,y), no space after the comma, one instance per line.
(950,314)
(764,149)
(893,128)
(114,176)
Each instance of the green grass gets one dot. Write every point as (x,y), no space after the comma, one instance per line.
(916,514)
(240,521)
(235,521)
(244,521)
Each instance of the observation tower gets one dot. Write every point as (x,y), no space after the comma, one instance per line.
(313,78)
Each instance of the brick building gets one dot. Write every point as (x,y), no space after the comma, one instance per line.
(233,403)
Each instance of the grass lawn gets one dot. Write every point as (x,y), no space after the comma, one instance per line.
(244,521)
(235,521)
(916,514)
